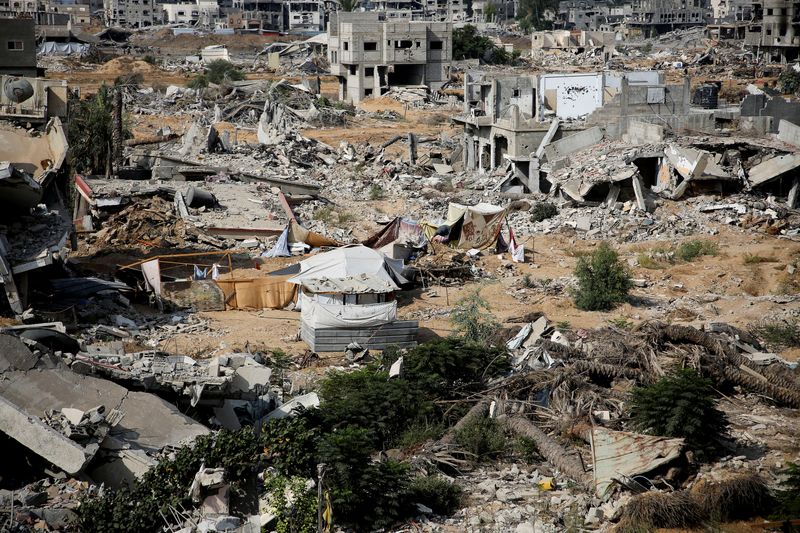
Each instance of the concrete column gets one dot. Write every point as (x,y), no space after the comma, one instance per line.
(791,201)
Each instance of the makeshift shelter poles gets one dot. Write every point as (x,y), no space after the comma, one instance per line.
(116,132)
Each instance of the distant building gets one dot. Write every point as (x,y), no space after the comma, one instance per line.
(18,47)
(198,13)
(774,30)
(369,55)
(590,14)
(306,16)
(129,13)
(574,40)
(653,17)
(261,15)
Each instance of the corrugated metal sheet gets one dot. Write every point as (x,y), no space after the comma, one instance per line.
(620,453)
(359,284)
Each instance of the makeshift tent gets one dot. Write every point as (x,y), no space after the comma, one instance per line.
(347,296)
(398,239)
(267,292)
(349,261)
(476,226)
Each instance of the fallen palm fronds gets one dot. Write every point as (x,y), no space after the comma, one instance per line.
(651,510)
(737,498)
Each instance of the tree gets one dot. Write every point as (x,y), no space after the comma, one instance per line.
(473,319)
(680,405)
(218,71)
(603,281)
(530,14)
(789,80)
(469,44)
(90,132)
(490,12)
(349,5)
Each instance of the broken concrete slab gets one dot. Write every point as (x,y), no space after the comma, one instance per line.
(689,163)
(306,401)
(548,137)
(41,439)
(789,133)
(574,143)
(251,377)
(773,168)
(15,355)
(643,132)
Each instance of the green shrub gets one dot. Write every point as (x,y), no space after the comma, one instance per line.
(220,71)
(473,319)
(290,444)
(167,484)
(482,437)
(376,192)
(369,399)
(440,495)
(294,504)
(542,211)
(680,405)
(691,250)
(755,259)
(780,334)
(151,59)
(789,80)
(788,495)
(603,281)
(200,81)
(89,131)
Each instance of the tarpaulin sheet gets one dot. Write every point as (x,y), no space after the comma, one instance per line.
(298,233)
(400,230)
(349,261)
(471,226)
(319,315)
(62,49)
(271,292)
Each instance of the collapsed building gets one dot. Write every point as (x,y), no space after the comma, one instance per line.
(575,41)
(369,55)
(652,17)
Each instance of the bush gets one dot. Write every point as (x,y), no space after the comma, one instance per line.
(376,192)
(469,44)
(89,132)
(440,495)
(218,71)
(789,80)
(780,334)
(473,319)
(368,399)
(691,250)
(198,82)
(543,211)
(290,444)
(603,281)
(680,405)
(482,437)
(294,504)
(788,495)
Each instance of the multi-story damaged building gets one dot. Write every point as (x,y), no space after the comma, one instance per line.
(509,120)
(774,30)
(306,16)
(591,14)
(652,17)
(369,54)
(18,47)
(129,13)
(574,40)
(261,15)
(198,13)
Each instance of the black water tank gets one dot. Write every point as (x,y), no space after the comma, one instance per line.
(707,96)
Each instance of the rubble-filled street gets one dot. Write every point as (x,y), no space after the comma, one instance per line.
(302,267)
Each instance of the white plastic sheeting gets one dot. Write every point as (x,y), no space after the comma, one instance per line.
(320,315)
(348,261)
(50,48)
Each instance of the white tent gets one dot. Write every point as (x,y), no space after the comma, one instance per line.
(348,262)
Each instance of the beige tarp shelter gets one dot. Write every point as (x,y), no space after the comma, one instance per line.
(474,226)
(267,292)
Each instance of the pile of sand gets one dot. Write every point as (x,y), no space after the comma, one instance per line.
(127,65)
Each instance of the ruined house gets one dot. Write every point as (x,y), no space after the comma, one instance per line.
(653,17)
(18,47)
(590,14)
(517,121)
(574,41)
(129,13)
(773,31)
(369,54)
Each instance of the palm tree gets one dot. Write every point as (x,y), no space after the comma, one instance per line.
(349,5)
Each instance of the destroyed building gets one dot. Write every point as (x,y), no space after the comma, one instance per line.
(200,13)
(652,17)
(575,41)
(129,13)
(369,55)
(18,47)
(591,14)
(513,120)
(772,31)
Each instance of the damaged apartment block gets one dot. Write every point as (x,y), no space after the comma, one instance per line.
(369,55)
